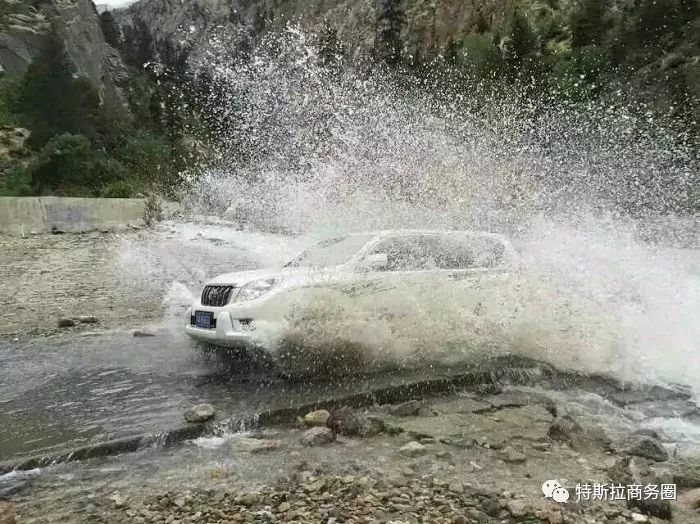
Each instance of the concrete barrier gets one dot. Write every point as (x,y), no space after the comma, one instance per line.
(21,216)
(31,215)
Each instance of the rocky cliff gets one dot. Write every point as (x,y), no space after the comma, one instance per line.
(428,25)
(25,24)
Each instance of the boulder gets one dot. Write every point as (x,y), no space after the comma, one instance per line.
(413,449)
(66,322)
(319,417)
(316,436)
(648,447)
(636,470)
(254,445)
(686,474)
(349,422)
(87,319)
(410,408)
(200,413)
(140,334)
(565,429)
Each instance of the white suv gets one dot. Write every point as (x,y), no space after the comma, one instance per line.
(232,305)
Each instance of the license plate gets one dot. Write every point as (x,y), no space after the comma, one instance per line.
(204,319)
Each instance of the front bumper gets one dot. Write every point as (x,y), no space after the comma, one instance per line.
(225,334)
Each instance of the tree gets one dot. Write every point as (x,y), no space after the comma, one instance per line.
(587,24)
(110,29)
(52,100)
(65,160)
(390,21)
(138,46)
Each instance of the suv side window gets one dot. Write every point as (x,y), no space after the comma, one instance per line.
(408,253)
(447,252)
(469,252)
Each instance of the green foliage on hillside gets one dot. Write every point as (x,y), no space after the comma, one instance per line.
(80,147)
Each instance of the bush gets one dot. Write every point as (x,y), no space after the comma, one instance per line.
(480,54)
(9,93)
(151,159)
(18,182)
(68,164)
(65,160)
(117,189)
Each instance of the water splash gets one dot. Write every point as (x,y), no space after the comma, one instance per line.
(302,144)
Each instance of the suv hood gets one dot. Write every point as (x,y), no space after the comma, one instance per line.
(241,278)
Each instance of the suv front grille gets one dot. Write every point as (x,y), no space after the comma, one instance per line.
(216,296)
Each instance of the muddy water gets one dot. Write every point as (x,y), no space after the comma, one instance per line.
(58,394)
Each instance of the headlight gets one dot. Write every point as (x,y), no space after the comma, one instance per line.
(255,289)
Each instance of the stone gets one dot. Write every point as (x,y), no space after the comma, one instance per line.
(87,319)
(66,322)
(254,445)
(250,498)
(284,506)
(648,447)
(410,408)
(349,422)
(117,500)
(511,456)
(565,429)
(200,413)
(316,436)
(638,517)
(413,449)
(686,474)
(141,334)
(319,417)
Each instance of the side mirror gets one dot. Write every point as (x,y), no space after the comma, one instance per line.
(374,262)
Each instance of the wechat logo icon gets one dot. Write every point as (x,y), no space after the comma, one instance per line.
(552,489)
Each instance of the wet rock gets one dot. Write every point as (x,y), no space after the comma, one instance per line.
(405,409)
(118,500)
(66,322)
(254,445)
(319,417)
(87,319)
(519,508)
(638,517)
(566,429)
(511,456)
(514,399)
(200,413)
(316,436)
(349,422)
(635,470)
(488,389)
(250,498)
(647,432)
(686,474)
(141,334)
(413,449)
(648,447)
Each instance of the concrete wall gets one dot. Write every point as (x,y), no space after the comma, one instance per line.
(31,215)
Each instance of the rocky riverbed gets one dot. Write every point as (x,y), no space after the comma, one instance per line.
(480,455)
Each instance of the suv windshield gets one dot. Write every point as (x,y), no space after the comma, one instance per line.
(330,252)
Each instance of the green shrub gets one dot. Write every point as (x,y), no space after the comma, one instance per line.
(9,93)
(480,54)
(117,189)
(18,182)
